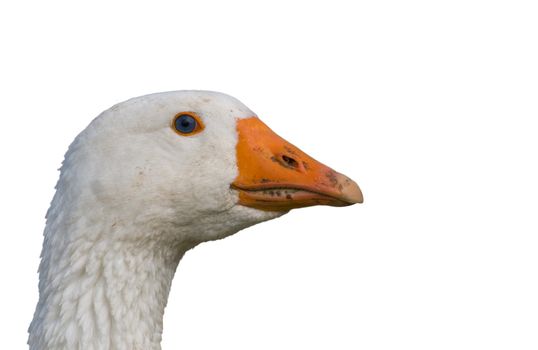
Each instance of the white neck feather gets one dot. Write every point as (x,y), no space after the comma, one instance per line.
(99,293)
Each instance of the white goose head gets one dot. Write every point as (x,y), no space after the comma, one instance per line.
(144,182)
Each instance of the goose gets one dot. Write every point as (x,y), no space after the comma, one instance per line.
(144,182)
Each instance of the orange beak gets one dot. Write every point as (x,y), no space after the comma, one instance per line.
(275,175)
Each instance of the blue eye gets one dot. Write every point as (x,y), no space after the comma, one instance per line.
(185,124)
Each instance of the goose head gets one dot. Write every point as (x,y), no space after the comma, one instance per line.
(197,165)
(147,180)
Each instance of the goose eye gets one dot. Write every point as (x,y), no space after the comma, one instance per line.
(187,123)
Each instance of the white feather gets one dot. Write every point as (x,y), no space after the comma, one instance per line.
(132,198)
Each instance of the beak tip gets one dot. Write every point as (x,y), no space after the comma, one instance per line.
(351,192)
(354,195)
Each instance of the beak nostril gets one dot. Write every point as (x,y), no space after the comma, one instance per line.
(290,162)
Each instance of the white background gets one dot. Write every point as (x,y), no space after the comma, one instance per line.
(431,106)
